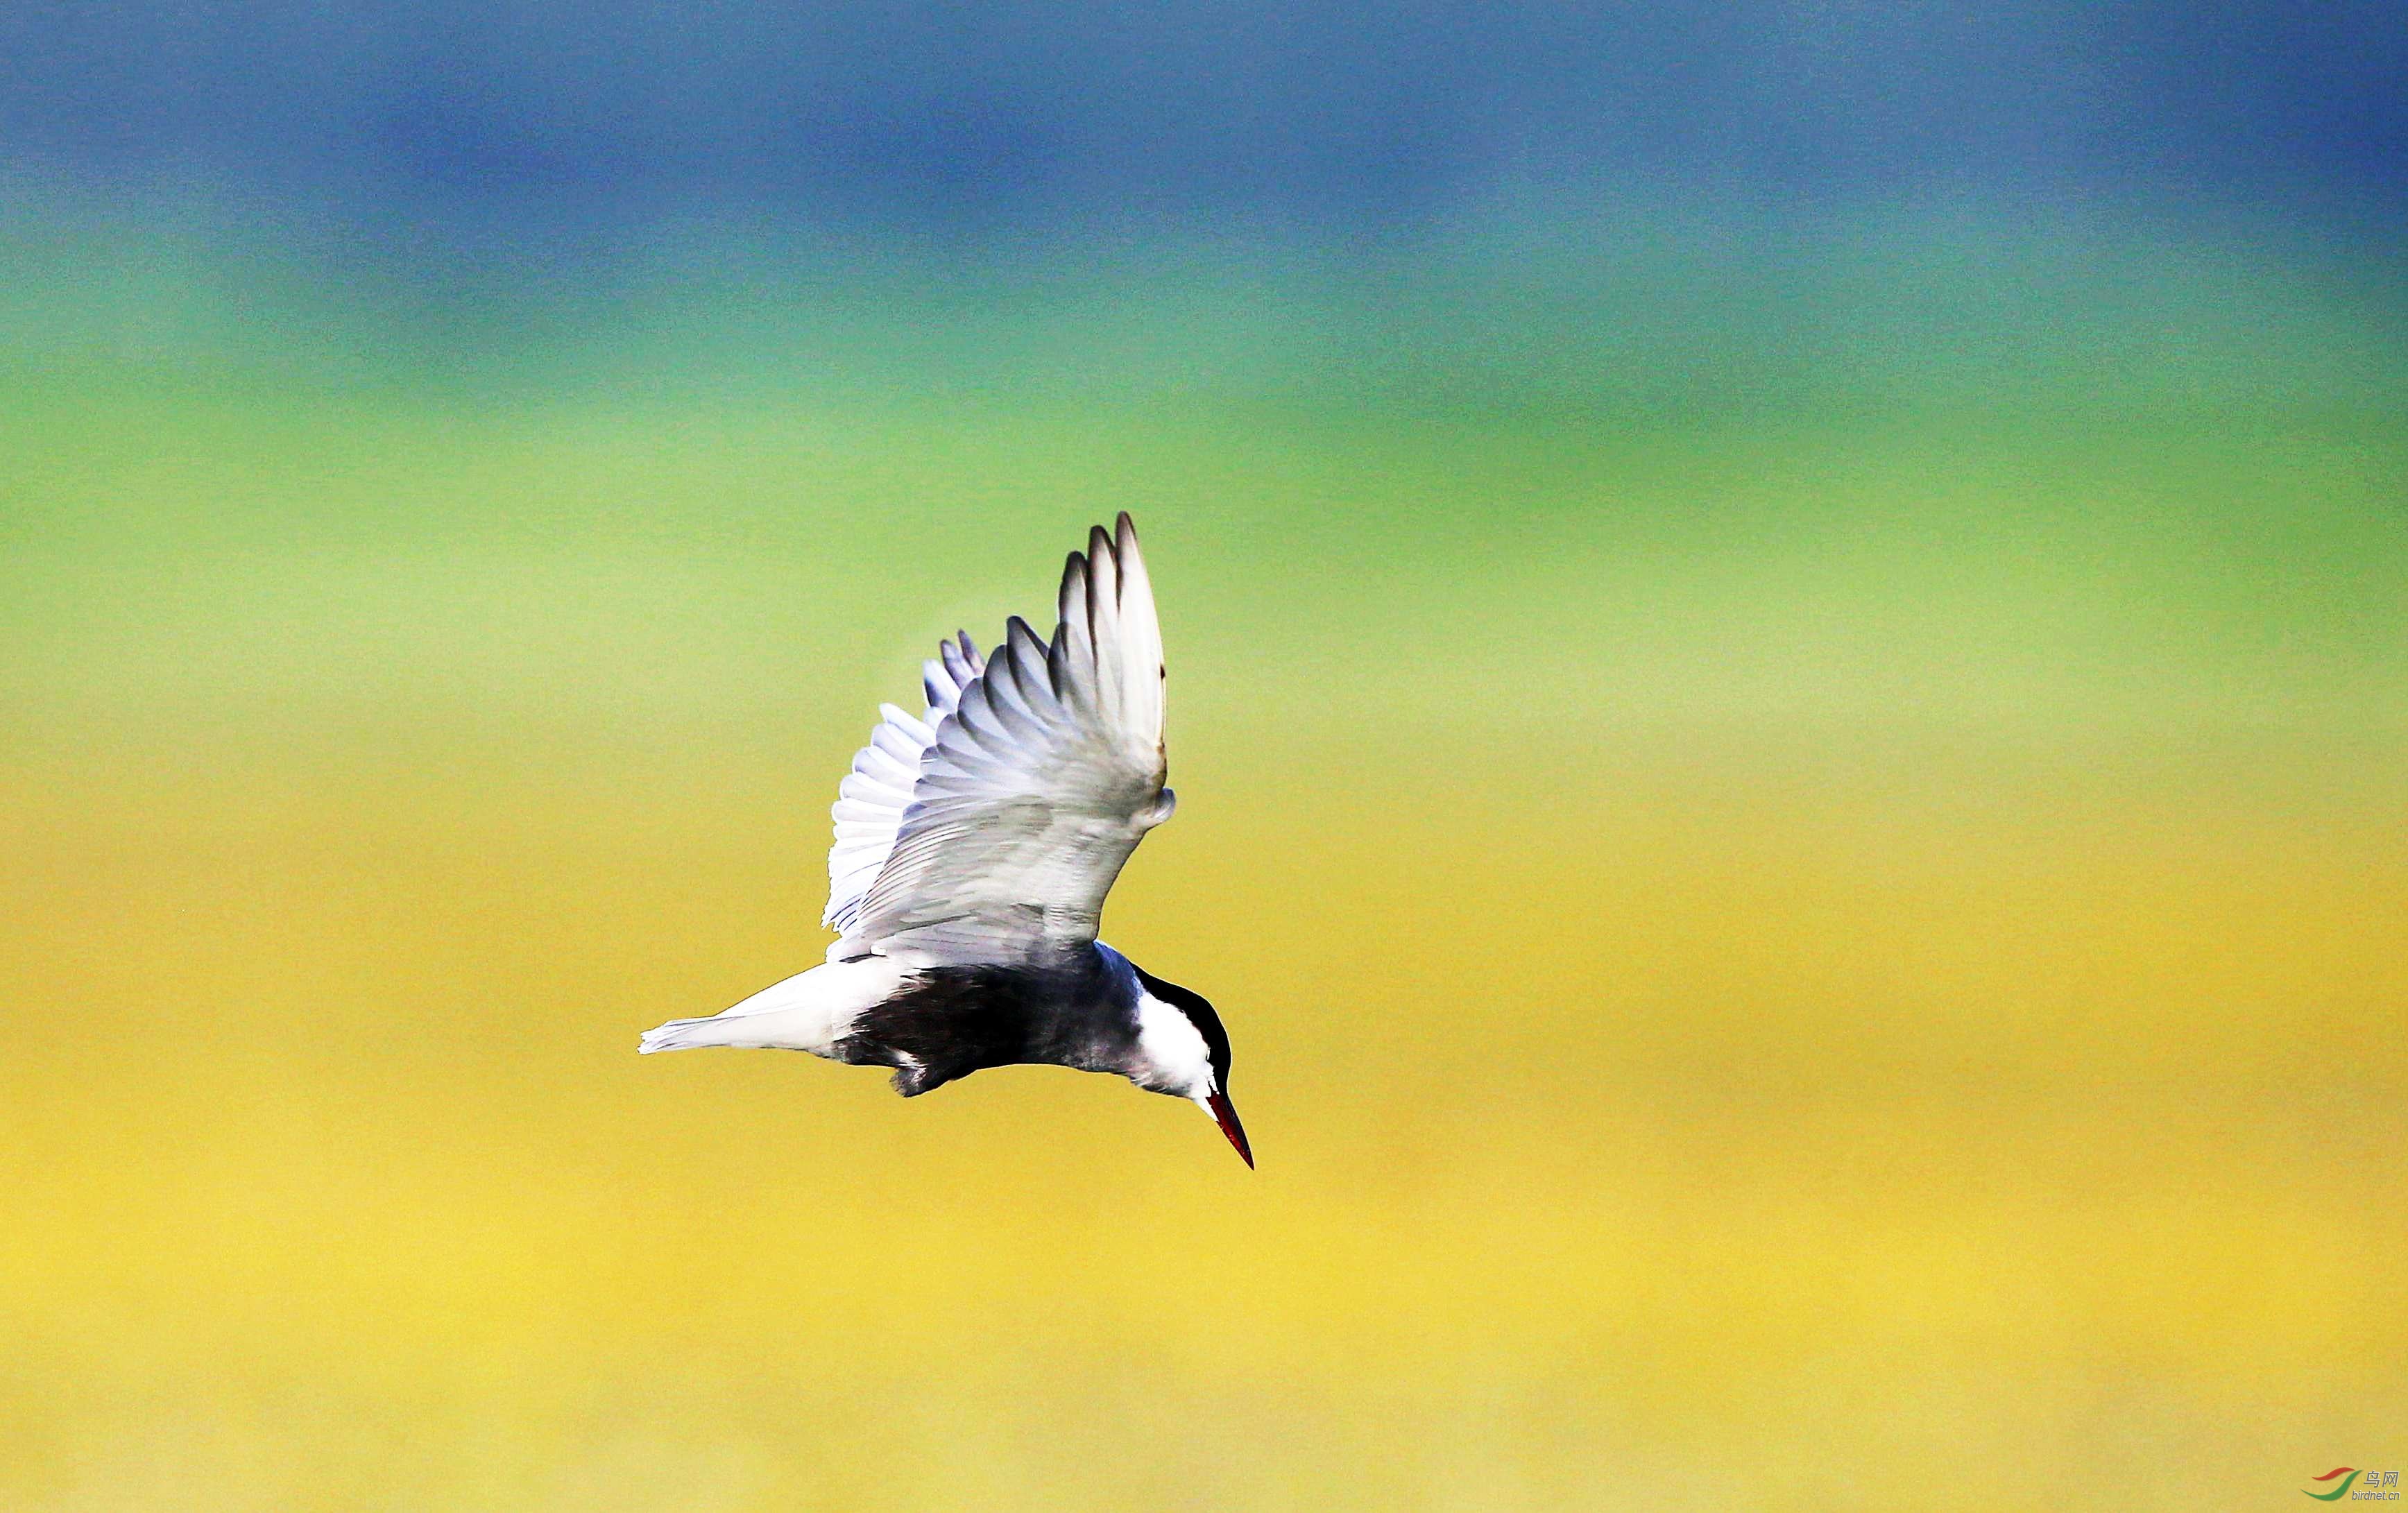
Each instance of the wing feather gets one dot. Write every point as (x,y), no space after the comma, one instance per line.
(1043,771)
(871,800)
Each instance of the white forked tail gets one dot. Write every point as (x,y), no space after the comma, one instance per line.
(685,1034)
(809,1011)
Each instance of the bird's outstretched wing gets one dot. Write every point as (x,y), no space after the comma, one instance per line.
(1037,773)
(873,797)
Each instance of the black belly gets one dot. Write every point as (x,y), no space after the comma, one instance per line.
(946,1023)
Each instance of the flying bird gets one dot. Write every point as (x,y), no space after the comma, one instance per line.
(974,846)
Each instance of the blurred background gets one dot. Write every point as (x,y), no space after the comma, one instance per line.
(1788,631)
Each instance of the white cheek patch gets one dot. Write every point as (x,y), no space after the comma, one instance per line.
(1182,1063)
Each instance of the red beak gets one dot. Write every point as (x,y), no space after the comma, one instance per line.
(1219,1104)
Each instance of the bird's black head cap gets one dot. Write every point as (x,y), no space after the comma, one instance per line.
(1200,1014)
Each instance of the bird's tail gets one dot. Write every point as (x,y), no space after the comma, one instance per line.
(685,1034)
(809,1011)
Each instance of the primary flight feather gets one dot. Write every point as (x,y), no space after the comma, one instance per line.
(974,846)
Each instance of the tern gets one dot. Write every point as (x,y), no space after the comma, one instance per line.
(974,846)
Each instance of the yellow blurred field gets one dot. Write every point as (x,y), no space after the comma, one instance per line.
(1799,961)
